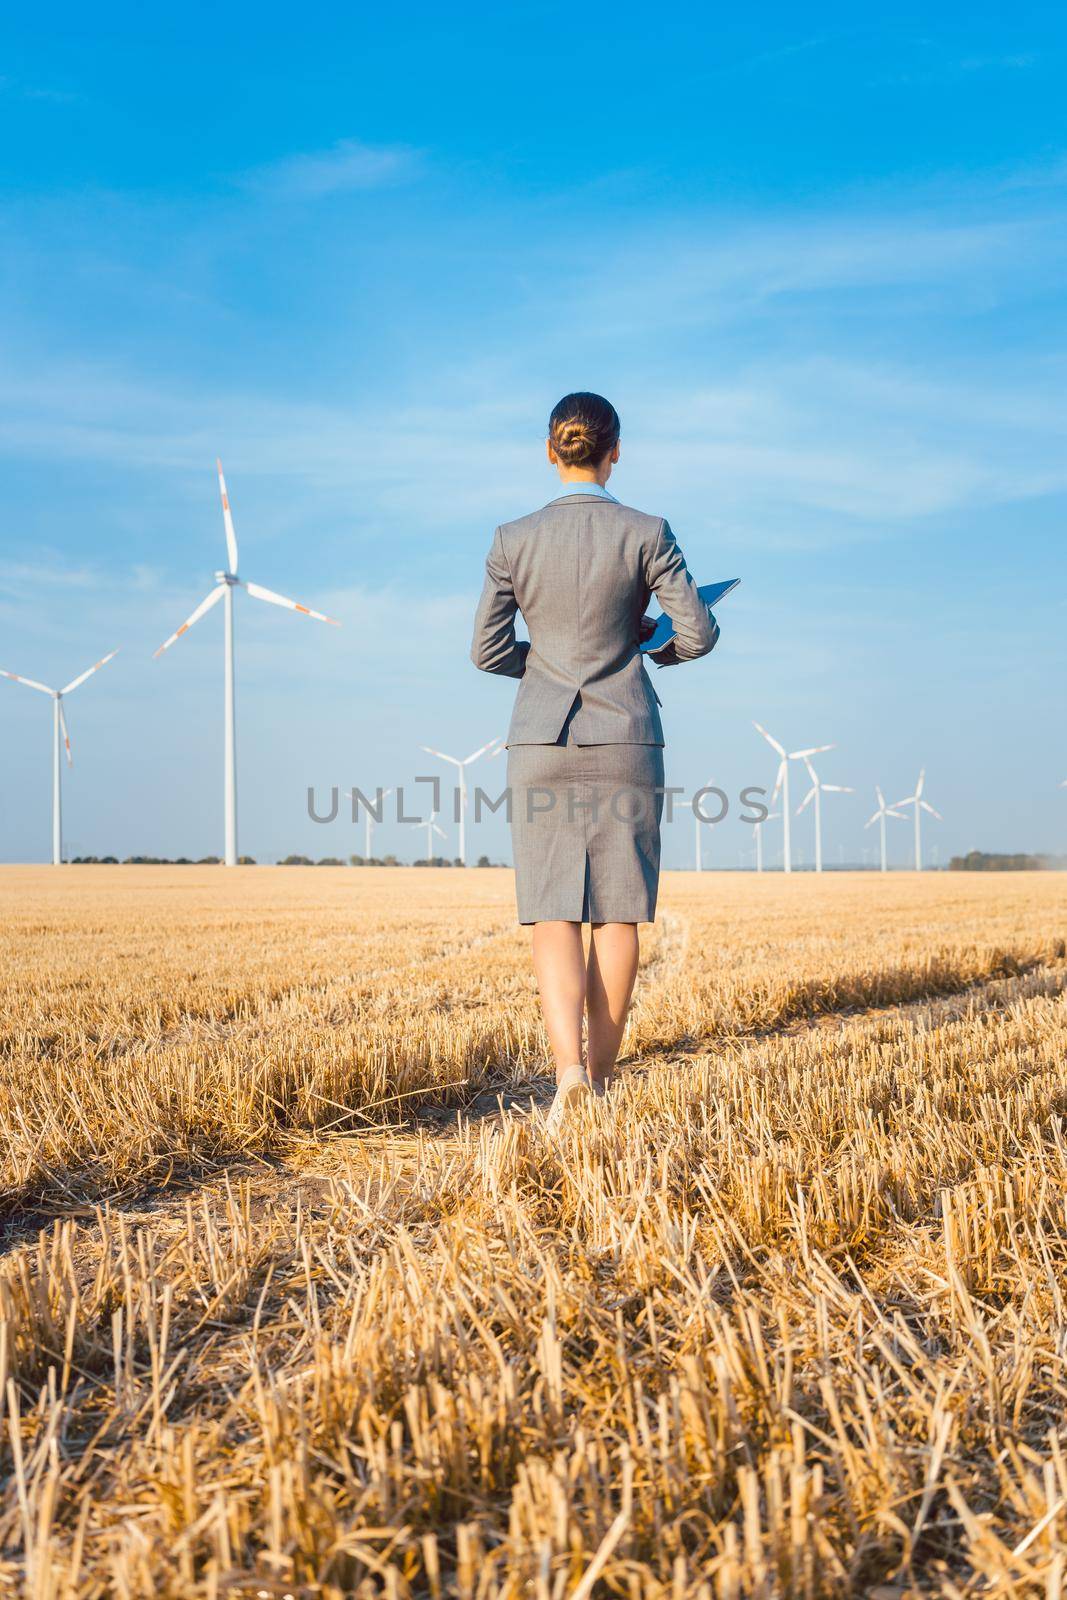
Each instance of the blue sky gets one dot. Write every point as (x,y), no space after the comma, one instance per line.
(817,263)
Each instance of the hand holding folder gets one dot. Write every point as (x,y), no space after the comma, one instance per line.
(710,593)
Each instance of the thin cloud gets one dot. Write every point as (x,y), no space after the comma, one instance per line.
(31,91)
(22,578)
(349,166)
(1001,63)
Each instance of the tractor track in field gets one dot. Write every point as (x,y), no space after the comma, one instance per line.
(306,1168)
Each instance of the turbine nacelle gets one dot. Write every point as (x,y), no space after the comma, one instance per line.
(884,810)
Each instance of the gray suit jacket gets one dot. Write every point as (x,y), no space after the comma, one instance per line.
(581,571)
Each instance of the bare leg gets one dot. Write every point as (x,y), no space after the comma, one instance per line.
(613,954)
(559,963)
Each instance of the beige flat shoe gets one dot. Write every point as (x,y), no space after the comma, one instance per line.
(573,1085)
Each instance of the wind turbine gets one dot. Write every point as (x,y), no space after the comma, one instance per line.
(228,581)
(59,730)
(431,828)
(461,767)
(782,782)
(818,788)
(770,817)
(368,822)
(880,816)
(698,824)
(920,804)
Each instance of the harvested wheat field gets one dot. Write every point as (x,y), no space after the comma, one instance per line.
(297,1298)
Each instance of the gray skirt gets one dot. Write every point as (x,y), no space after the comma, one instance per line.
(585,830)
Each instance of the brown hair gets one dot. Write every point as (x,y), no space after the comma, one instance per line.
(583,428)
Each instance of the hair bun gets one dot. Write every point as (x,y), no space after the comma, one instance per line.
(583,428)
(574,441)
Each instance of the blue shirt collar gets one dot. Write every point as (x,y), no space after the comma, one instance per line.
(595,489)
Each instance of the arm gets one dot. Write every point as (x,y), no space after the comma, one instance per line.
(695,629)
(494,647)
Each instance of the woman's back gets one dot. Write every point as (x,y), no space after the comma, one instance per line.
(581,571)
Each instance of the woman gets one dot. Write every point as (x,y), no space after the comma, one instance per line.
(585,746)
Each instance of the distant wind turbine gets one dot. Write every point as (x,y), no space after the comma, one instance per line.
(818,788)
(368,819)
(920,805)
(495,747)
(782,782)
(228,581)
(698,824)
(879,817)
(431,828)
(368,825)
(59,732)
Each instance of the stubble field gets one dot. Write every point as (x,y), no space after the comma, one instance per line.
(297,1298)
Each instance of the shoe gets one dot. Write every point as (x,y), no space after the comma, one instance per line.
(573,1085)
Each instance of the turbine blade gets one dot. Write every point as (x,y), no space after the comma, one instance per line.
(898,814)
(778,779)
(928,807)
(770,740)
(205,605)
(78,681)
(441,755)
(231,537)
(881,796)
(480,752)
(872,820)
(257,591)
(66,735)
(31,683)
(838,788)
(810,795)
(813,750)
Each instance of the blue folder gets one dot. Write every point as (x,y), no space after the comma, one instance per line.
(710,593)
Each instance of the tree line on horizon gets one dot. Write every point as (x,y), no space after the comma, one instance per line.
(286,861)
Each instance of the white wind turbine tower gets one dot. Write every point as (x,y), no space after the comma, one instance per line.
(368,824)
(879,817)
(698,825)
(59,731)
(495,747)
(920,805)
(431,828)
(368,819)
(818,788)
(782,782)
(770,817)
(228,581)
